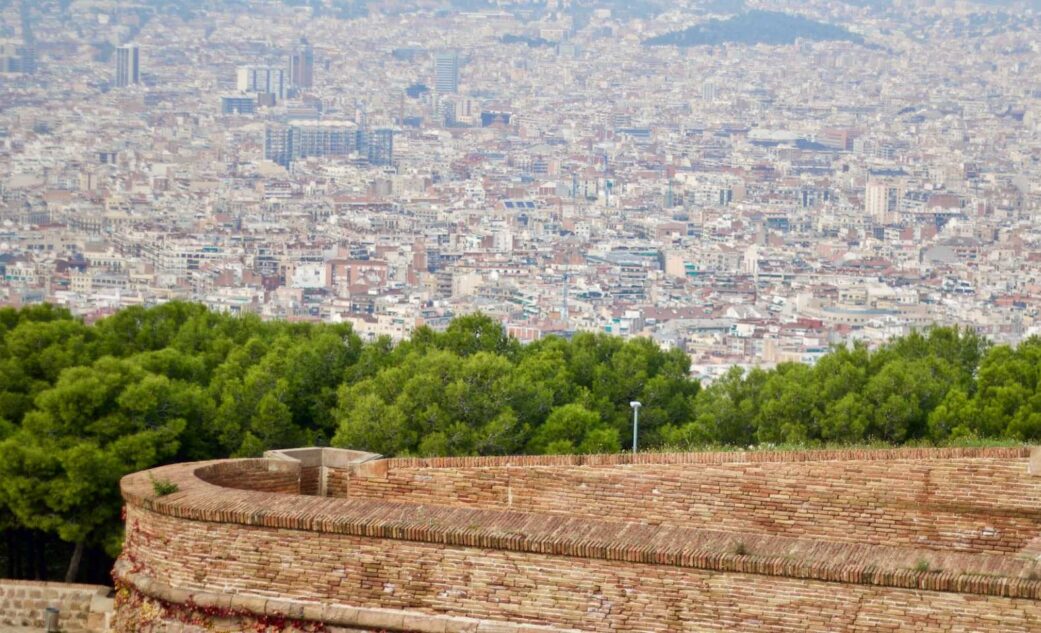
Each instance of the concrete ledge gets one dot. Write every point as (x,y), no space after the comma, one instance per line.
(314,464)
(329,614)
(1034,465)
(322,456)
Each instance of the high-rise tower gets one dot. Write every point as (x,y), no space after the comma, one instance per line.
(262,80)
(301,66)
(27,54)
(284,144)
(381,146)
(446,72)
(128,65)
(881,200)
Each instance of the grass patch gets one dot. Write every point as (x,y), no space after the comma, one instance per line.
(163,487)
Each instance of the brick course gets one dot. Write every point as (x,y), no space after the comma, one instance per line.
(510,540)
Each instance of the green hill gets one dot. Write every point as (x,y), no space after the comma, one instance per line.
(755,27)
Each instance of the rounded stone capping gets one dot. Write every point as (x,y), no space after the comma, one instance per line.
(557,535)
(329,614)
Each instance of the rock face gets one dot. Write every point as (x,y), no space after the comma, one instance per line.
(320,539)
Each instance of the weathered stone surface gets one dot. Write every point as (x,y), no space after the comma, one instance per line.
(83,608)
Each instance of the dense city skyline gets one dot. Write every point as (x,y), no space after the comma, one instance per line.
(392,164)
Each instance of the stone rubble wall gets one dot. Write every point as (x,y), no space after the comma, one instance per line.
(82,608)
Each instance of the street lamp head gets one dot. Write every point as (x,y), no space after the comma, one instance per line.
(635,404)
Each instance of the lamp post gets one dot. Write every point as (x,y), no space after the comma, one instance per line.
(636,421)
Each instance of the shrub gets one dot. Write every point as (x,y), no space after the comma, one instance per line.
(163,487)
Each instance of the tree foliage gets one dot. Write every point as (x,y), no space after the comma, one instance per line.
(83,405)
(755,27)
(932,386)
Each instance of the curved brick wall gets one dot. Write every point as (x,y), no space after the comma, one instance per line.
(949,499)
(467,560)
(261,475)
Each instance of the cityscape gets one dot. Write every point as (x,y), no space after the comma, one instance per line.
(520,316)
(392,164)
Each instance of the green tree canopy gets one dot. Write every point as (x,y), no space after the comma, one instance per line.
(574,429)
(81,405)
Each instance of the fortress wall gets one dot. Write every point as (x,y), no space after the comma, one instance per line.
(980,500)
(590,543)
(566,592)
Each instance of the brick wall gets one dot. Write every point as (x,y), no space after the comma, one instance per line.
(82,608)
(310,480)
(566,592)
(253,474)
(965,502)
(601,544)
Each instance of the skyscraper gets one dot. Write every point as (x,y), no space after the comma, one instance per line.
(128,66)
(381,146)
(278,144)
(301,66)
(446,72)
(300,139)
(15,58)
(709,91)
(26,58)
(238,104)
(881,200)
(262,80)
